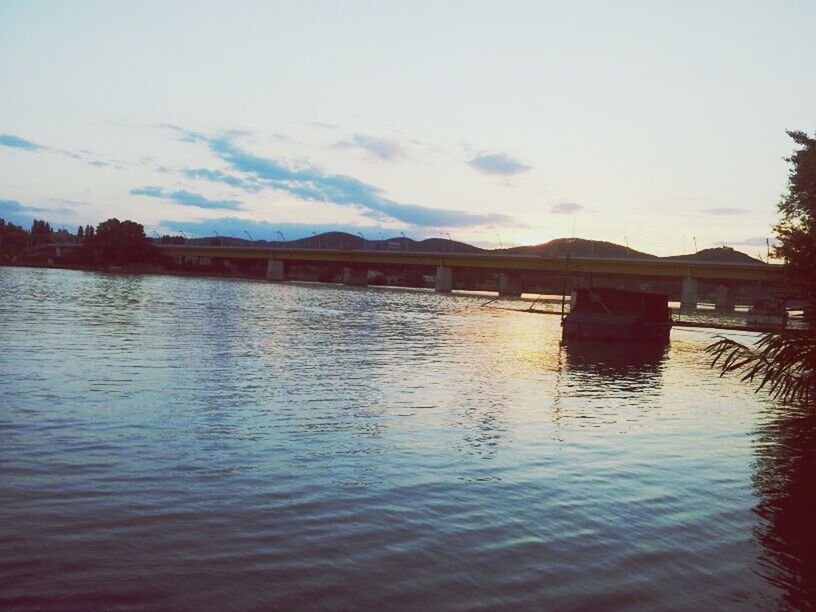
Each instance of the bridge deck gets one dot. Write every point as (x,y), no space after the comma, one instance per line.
(761,273)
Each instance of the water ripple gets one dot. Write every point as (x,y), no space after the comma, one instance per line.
(187,443)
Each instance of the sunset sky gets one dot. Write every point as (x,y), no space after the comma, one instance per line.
(647,122)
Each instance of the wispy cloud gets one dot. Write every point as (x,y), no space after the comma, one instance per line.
(498,163)
(313,184)
(566,208)
(15,206)
(218,176)
(185,198)
(14,211)
(724,210)
(321,124)
(758,241)
(381,148)
(15,142)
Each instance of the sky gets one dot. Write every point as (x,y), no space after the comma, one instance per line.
(657,124)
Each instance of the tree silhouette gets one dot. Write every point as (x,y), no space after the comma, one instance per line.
(40,232)
(785,362)
(119,242)
(13,239)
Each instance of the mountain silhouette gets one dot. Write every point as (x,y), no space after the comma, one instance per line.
(559,247)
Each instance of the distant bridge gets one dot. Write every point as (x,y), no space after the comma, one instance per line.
(758,273)
(508,266)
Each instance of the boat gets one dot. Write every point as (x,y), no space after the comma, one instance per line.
(617,314)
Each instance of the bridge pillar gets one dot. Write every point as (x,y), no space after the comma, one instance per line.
(724,299)
(443,283)
(275,270)
(688,295)
(509,284)
(357,277)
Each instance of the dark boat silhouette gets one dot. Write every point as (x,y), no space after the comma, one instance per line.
(617,314)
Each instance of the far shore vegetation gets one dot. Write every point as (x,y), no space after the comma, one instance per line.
(111,243)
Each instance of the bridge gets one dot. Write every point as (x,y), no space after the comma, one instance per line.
(356,264)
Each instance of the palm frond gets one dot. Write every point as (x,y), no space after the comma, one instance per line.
(784,363)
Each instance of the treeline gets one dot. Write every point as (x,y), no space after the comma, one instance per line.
(112,242)
(13,239)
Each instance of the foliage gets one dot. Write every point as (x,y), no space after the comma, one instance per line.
(40,232)
(171,239)
(796,231)
(118,242)
(13,239)
(784,362)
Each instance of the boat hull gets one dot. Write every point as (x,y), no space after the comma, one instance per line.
(614,327)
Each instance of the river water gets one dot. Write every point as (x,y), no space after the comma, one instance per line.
(192,443)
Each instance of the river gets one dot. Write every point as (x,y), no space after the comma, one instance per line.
(199,443)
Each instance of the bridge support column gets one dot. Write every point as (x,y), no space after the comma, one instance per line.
(443,283)
(509,285)
(357,277)
(275,270)
(688,295)
(723,299)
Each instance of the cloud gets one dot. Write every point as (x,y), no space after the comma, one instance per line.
(264,230)
(313,184)
(321,124)
(755,241)
(380,148)
(15,142)
(15,206)
(724,210)
(217,176)
(11,205)
(13,211)
(185,198)
(566,208)
(498,163)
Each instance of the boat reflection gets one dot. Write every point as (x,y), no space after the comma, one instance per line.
(622,361)
(607,383)
(785,481)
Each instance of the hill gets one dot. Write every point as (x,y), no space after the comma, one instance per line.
(350,242)
(578,247)
(559,247)
(722,254)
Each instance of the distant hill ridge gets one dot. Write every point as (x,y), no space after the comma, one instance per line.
(559,247)
(579,247)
